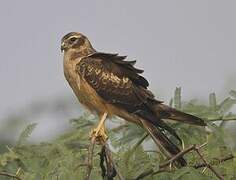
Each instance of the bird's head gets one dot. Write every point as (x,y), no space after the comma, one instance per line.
(76,42)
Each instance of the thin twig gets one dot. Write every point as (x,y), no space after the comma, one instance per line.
(151,172)
(10,175)
(180,154)
(197,166)
(80,165)
(90,158)
(136,145)
(201,165)
(202,145)
(163,165)
(144,174)
(175,157)
(140,141)
(207,164)
(222,119)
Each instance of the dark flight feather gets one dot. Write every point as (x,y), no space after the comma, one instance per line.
(166,112)
(158,123)
(163,141)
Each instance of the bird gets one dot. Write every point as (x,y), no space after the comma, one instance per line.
(109,85)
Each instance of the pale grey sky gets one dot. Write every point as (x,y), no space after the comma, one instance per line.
(184,43)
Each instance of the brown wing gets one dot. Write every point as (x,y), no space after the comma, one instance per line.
(119,82)
(115,80)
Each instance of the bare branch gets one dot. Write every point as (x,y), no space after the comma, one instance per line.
(222,119)
(90,158)
(221,160)
(162,167)
(208,165)
(140,141)
(10,175)
(175,157)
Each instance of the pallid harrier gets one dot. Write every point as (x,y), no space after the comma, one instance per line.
(109,85)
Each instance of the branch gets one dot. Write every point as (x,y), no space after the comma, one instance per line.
(105,152)
(90,158)
(222,119)
(10,175)
(208,165)
(140,141)
(221,160)
(161,166)
(180,154)
(175,157)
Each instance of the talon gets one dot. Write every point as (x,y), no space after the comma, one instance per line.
(100,135)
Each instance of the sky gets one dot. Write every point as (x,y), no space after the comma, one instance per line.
(184,43)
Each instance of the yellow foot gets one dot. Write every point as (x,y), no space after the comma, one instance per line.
(99,134)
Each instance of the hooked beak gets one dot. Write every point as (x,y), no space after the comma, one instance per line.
(63,46)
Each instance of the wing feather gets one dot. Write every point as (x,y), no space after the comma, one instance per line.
(125,67)
(115,80)
(121,85)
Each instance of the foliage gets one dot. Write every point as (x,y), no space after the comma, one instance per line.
(65,157)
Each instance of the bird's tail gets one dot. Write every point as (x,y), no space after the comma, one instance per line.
(157,129)
(163,111)
(163,142)
(151,119)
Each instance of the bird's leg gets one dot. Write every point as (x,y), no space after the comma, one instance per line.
(99,132)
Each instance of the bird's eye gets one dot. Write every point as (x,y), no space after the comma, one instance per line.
(73,39)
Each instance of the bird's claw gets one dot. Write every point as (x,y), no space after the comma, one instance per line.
(99,135)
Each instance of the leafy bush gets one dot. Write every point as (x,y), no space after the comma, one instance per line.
(135,155)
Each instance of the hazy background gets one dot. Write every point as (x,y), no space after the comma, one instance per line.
(179,43)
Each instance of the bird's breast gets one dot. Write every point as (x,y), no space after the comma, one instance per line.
(84,92)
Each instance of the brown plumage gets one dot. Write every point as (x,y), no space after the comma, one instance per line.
(107,83)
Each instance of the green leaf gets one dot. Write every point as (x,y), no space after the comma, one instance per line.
(66,156)
(177,98)
(233,93)
(171,102)
(190,173)
(212,101)
(25,134)
(227,104)
(7,157)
